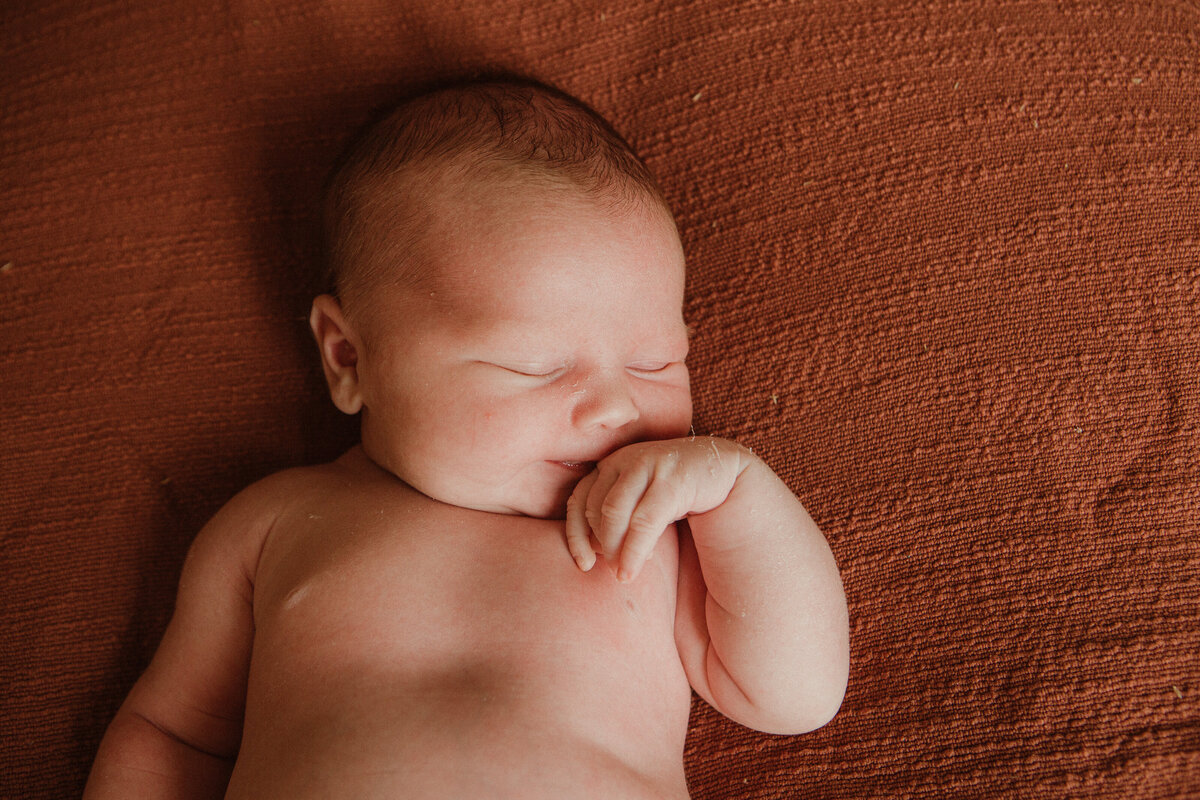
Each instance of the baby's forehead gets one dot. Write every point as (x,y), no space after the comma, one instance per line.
(443,209)
(440,229)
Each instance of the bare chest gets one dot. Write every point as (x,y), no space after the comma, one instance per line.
(396,639)
(418,591)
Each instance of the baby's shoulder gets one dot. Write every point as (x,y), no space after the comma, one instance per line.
(267,498)
(243,524)
(307,497)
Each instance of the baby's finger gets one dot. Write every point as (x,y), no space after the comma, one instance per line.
(657,509)
(618,504)
(578,531)
(594,510)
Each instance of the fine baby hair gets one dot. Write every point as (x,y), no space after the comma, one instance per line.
(482,130)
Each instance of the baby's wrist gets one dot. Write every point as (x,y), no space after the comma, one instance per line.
(727,451)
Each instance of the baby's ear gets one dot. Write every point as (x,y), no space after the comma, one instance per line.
(339,356)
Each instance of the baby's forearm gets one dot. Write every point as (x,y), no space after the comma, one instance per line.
(775,609)
(138,760)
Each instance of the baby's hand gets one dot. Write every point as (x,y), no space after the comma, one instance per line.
(632,495)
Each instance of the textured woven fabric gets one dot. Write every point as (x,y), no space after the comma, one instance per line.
(945,277)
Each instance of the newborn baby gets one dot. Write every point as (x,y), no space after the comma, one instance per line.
(511,586)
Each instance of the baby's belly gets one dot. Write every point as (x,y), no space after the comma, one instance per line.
(465,660)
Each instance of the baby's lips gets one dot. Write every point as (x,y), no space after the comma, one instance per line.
(582,467)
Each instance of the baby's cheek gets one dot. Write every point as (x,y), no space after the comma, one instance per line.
(496,427)
(511,428)
(671,415)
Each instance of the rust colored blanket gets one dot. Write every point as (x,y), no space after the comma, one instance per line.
(944,273)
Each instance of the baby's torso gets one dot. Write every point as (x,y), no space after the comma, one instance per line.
(407,648)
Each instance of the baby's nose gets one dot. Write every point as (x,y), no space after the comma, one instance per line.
(605,401)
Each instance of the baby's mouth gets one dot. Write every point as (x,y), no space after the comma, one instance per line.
(582,467)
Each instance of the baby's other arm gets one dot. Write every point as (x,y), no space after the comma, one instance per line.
(177,733)
(761,622)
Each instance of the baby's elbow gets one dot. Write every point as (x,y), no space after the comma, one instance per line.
(816,713)
(821,711)
(784,701)
(810,708)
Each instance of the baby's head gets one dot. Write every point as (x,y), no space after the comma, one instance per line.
(509,293)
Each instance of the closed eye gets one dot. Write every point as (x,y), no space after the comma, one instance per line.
(529,371)
(653,367)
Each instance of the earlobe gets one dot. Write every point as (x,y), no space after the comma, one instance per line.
(339,355)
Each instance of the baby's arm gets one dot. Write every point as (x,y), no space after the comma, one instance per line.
(177,733)
(761,620)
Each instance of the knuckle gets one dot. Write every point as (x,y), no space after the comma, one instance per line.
(610,511)
(644,523)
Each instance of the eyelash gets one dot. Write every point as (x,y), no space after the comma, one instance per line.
(524,374)
(657,368)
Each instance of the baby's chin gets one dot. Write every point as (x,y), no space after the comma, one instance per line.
(539,499)
(551,507)
(541,505)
